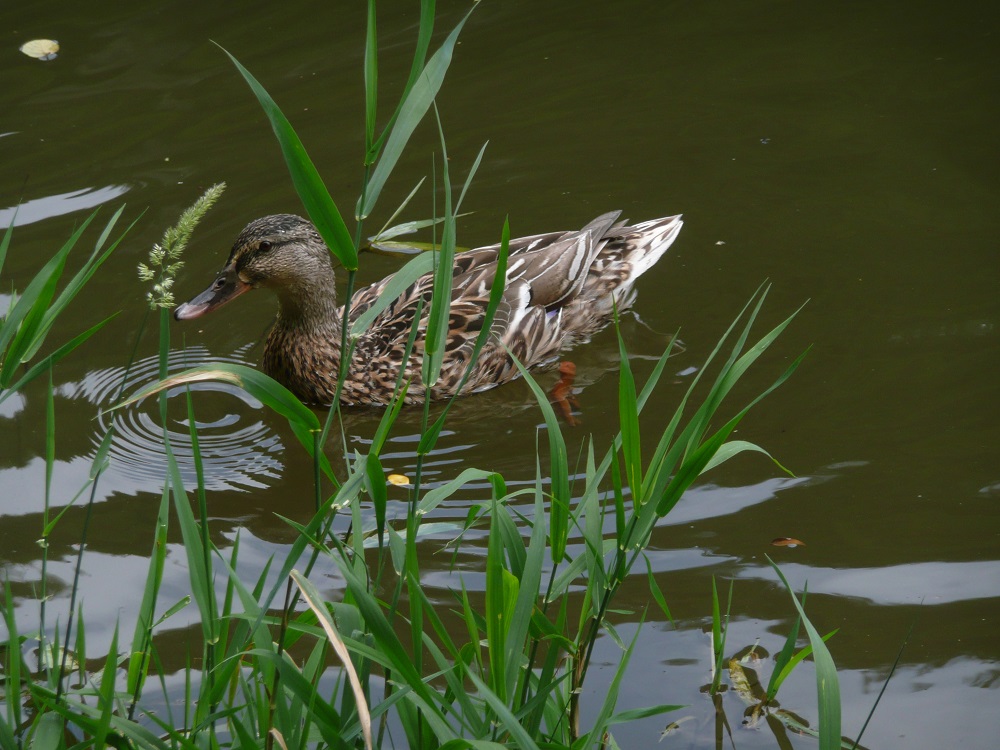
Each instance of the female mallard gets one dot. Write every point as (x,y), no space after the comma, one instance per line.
(561,289)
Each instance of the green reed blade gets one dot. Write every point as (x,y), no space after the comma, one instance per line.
(13,665)
(438,319)
(433,498)
(400,281)
(138,663)
(784,656)
(414,105)
(735,447)
(827,681)
(79,280)
(628,414)
(106,692)
(371,77)
(559,466)
(497,622)
(656,591)
(596,734)
(801,655)
(377,490)
(308,184)
(265,389)
(5,240)
(505,718)
(468,179)
(42,365)
(20,327)
(530,589)
(49,732)
(42,283)
(430,436)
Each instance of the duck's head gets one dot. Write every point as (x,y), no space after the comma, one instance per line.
(283,252)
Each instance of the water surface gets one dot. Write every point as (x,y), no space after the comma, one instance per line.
(844,152)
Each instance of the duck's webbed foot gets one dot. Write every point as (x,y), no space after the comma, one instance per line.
(562,395)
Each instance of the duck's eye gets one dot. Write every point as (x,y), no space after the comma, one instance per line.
(264,246)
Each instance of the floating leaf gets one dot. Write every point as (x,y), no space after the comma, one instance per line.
(399,480)
(787,541)
(41,49)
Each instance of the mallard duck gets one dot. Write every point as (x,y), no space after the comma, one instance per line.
(561,289)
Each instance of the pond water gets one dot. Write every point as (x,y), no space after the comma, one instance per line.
(846,152)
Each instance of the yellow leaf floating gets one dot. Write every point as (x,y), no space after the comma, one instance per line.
(399,480)
(41,49)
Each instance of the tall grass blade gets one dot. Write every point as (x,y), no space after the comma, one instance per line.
(5,240)
(265,389)
(438,319)
(735,447)
(21,325)
(138,663)
(315,601)
(505,717)
(628,412)
(106,692)
(498,609)
(885,684)
(308,184)
(42,365)
(559,467)
(784,656)
(827,682)
(79,280)
(371,77)
(430,436)
(601,721)
(49,732)
(414,106)
(399,283)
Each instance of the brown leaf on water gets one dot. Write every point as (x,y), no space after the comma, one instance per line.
(398,479)
(787,541)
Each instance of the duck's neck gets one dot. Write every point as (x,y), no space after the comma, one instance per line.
(310,307)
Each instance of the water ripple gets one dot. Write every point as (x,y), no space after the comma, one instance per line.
(237,450)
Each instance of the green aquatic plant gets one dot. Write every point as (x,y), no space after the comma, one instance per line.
(507,671)
(32,312)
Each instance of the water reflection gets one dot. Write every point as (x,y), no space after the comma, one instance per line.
(238,451)
(58,205)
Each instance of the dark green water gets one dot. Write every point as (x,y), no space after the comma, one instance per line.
(846,152)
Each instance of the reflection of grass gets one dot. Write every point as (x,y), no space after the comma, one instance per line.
(507,673)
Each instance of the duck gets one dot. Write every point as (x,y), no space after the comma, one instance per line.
(561,289)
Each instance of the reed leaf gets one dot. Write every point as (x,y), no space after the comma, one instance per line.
(559,467)
(402,280)
(439,317)
(20,326)
(371,76)
(827,682)
(735,447)
(308,184)
(628,414)
(79,280)
(314,600)
(265,389)
(413,106)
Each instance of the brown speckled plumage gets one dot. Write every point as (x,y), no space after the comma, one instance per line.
(559,292)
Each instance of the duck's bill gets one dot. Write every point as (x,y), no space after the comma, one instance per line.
(227,286)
